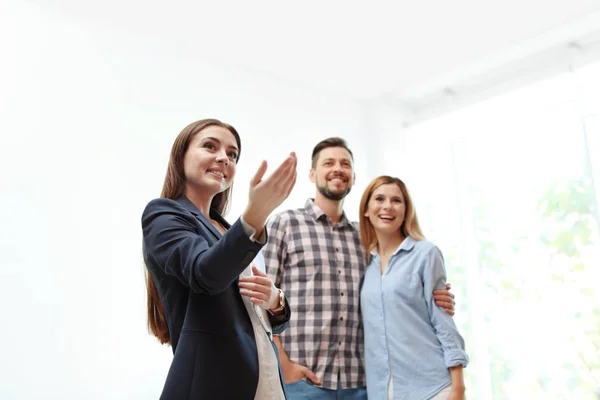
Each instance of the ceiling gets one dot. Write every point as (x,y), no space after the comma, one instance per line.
(411,54)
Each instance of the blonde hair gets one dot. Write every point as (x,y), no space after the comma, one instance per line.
(410,225)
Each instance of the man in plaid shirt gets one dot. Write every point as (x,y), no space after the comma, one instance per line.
(314,255)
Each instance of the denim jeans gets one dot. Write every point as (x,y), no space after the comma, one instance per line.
(305,390)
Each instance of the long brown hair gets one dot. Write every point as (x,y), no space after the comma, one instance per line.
(173,188)
(410,225)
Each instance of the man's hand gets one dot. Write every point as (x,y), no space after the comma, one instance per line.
(445,299)
(293,372)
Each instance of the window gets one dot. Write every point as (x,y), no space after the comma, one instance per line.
(508,189)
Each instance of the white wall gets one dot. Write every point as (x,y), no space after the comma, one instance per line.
(386,146)
(87,120)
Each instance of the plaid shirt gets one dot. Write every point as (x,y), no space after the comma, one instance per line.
(319,266)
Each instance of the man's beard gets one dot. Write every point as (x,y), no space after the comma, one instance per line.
(328,194)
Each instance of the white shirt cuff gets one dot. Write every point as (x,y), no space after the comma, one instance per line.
(251,232)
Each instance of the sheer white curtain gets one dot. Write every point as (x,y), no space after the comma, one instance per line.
(508,189)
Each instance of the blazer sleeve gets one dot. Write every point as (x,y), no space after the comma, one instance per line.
(170,238)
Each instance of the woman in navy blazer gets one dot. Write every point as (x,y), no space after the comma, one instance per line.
(194,259)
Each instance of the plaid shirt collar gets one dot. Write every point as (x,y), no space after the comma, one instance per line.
(313,210)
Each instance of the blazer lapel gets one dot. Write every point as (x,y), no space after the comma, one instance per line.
(184,201)
(216,216)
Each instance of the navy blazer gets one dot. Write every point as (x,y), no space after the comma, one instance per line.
(196,270)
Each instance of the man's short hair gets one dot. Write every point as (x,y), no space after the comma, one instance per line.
(329,142)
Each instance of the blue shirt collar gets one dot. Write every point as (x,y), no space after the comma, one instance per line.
(407,245)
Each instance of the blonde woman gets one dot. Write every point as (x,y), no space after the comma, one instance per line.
(413,350)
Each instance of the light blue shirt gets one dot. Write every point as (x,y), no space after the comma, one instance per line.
(408,338)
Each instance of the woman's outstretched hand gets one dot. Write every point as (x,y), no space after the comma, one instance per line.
(268,193)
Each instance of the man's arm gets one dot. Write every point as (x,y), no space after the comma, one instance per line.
(275,250)
(275,254)
(293,372)
(443,298)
